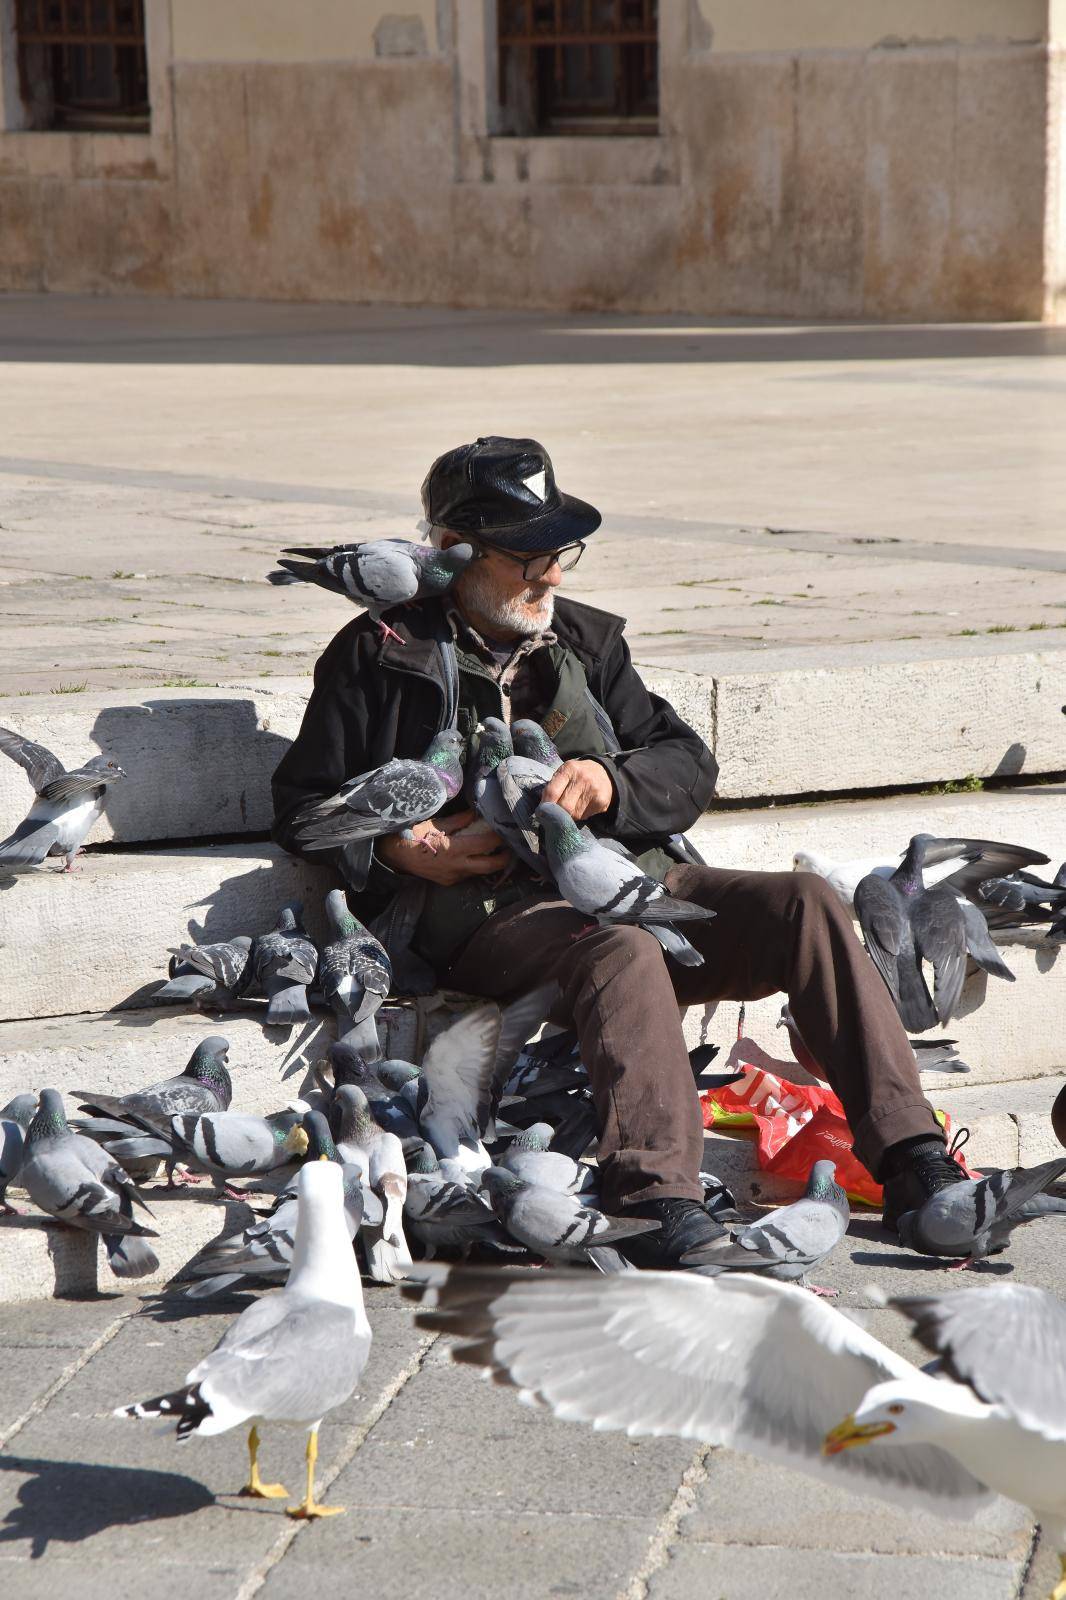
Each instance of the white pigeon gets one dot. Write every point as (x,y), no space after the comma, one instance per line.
(291,1356)
(761,1366)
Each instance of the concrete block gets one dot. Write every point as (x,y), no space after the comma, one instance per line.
(744,1572)
(40,1258)
(198,762)
(866,717)
(88,940)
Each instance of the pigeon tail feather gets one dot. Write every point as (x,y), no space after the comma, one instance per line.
(129,1257)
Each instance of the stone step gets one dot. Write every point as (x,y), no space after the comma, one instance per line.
(199,759)
(40,1259)
(117,1052)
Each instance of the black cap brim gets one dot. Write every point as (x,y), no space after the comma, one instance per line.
(566,523)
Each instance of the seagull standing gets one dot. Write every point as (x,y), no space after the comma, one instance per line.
(292,1356)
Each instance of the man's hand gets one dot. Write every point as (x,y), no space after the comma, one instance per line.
(583,788)
(477,854)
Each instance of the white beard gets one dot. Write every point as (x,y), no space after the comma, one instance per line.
(514,614)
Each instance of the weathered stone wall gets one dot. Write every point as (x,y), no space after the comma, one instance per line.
(869,177)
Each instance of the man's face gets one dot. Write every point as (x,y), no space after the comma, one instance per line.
(494,587)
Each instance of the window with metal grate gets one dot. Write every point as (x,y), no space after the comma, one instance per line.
(578,66)
(82,64)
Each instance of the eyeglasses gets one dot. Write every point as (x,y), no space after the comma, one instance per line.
(534,567)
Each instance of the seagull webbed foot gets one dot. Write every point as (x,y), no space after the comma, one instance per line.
(255,1488)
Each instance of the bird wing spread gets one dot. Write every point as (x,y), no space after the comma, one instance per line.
(740,1361)
(458,1074)
(38,763)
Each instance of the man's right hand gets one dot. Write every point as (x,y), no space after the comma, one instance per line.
(478,854)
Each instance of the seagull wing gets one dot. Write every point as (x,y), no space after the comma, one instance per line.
(1006,1340)
(739,1361)
(39,764)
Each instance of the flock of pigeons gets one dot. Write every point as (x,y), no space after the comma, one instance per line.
(481,1150)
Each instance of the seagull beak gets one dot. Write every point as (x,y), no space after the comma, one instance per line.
(849,1433)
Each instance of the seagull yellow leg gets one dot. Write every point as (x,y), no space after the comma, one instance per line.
(309,1507)
(255,1485)
(1059,1591)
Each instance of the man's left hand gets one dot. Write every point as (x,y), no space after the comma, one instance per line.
(583,788)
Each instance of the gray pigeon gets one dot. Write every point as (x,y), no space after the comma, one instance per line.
(505,786)
(283,963)
(387,1105)
(76,1181)
(291,1356)
(67,804)
(379,1156)
(975,1218)
(262,1251)
(790,1242)
(456,1087)
(354,975)
(446,1216)
(205,1085)
(378,574)
(930,1055)
(904,924)
(226,1144)
(213,975)
(1022,898)
(15,1118)
(530,1157)
(390,799)
(555,1226)
(611,886)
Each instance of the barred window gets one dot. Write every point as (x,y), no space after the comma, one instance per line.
(578,66)
(82,64)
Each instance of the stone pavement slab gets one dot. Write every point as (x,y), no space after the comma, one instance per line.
(772,1572)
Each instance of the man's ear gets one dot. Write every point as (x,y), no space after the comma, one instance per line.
(448,539)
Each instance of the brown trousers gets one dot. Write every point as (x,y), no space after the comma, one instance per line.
(774,931)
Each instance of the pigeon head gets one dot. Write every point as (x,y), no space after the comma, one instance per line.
(394,1073)
(533,743)
(500,1186)
(536,1137)
(445,756)
(348,1065)
(888,1411)
(289,917)
(424,1162)
(319,1139)
(822,1185)
(493,746)
(341,920)
(21,1110)
(562,836)
(349,1115)
(50,1120)
(207,1064)
(440,568)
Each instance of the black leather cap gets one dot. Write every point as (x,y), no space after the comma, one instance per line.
(503,491)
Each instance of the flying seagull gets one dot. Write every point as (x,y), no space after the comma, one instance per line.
(293,1355)
(67,804)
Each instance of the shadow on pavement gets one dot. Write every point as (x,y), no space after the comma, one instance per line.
(69,1501)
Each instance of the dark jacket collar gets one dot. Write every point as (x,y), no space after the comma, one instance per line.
(424,628)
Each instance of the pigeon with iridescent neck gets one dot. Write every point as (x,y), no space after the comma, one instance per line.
(390,799)
(611,886)
(378,574)
(205,1085)
(76,1181)
(354,975)
(511,767)
(66,804)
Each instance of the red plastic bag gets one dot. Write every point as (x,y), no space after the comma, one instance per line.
(796,1124)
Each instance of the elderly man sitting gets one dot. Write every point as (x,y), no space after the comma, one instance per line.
(635,771)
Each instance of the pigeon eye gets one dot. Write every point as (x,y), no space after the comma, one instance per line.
(895,1411)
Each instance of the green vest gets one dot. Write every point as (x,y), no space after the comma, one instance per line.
(453,913)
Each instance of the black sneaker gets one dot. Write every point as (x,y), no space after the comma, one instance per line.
(683,1225)
(932,1167)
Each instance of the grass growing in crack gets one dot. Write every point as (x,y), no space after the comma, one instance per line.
(118,573)
(69,688)
(185,683)
(971,784)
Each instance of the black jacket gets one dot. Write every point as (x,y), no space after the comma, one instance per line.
(373,700)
